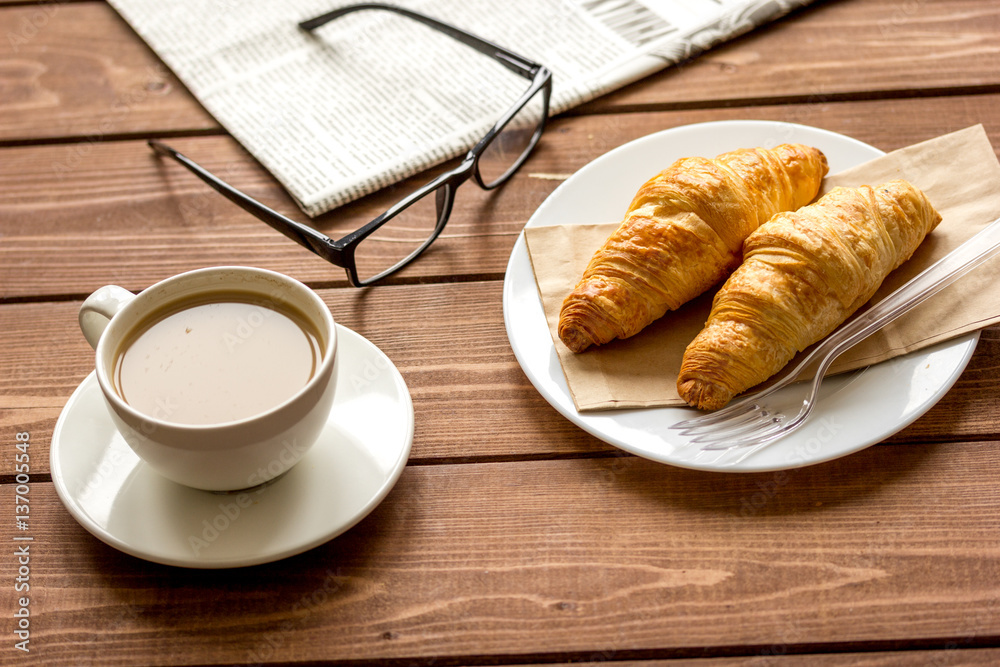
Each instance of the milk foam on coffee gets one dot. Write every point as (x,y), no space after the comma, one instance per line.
(216,358)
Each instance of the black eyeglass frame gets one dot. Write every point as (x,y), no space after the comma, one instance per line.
(341,252)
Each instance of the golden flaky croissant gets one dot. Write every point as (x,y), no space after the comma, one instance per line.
(803,273)
(683,233)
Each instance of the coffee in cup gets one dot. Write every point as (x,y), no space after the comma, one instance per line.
(221,378)
(219,357)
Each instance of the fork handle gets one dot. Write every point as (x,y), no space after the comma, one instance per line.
(929,282)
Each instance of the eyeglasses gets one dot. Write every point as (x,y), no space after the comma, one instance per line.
(404,231)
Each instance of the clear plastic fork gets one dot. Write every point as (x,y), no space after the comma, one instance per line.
(749,424)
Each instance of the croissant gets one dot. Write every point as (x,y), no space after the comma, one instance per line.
(683,233)
(803,273)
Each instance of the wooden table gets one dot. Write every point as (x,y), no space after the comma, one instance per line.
(512,536)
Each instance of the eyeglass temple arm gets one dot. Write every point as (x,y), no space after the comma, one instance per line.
(305,236)
(505,57)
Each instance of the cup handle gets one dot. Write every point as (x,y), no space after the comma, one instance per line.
(98,309)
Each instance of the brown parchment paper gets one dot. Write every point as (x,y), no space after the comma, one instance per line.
(959,173)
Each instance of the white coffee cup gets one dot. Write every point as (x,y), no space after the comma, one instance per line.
(228,455)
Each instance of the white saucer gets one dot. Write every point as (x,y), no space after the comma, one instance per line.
(357,460)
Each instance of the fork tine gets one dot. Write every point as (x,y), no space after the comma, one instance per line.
(711,420)
(766,432)
(722,414)
(743,428)
(747,403)
(753,413)
(775,430)
(697,425)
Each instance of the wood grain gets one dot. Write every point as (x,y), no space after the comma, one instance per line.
(583,559)
(836,50)
(77,216)
(781,656)
(78,70)
(512,537)
(472,400)
(57,80)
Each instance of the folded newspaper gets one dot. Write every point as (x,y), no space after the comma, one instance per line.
(373,98)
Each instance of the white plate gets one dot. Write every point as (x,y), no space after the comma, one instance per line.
(857,410)
(357,460)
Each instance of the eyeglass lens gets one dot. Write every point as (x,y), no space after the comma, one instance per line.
(408,232)
(405,234)
(513,141)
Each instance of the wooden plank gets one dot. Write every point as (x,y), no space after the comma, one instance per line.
(956,656)
(70,209)
(578,559)
(814,53)
(965,411)
(79,70)
(77,216)
(471,398)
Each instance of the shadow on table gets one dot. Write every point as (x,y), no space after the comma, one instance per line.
(853,479)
